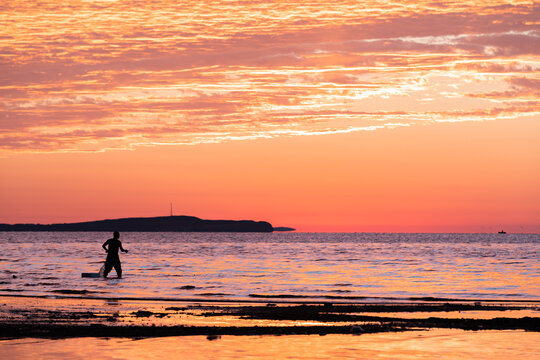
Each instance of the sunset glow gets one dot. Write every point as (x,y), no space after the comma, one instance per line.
(343,116)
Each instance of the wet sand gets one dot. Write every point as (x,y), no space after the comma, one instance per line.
(443,344)
(69,317)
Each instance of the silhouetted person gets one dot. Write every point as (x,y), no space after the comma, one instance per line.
(111,246)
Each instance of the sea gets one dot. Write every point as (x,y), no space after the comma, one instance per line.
(262,266)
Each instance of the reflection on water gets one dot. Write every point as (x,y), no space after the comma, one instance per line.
(232,265)
(433,344)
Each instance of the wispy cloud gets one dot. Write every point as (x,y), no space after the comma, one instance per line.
(90,76)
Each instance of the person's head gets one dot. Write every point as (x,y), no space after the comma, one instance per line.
(116,234)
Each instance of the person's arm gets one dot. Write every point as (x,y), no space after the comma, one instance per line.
(121,248)
(103,246)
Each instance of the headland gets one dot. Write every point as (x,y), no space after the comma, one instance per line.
(151,224)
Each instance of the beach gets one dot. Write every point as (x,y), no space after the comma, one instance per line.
(74,327)
(85,317)
(440,344)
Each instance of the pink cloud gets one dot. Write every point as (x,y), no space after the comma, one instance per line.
(165,78)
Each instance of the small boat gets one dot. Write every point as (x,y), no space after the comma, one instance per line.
(502,232)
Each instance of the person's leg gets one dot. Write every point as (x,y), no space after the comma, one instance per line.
(118,268)
(108,268)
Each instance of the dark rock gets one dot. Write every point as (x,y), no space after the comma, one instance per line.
(142,313)
(357,329)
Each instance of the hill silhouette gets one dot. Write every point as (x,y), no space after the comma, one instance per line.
(161,223)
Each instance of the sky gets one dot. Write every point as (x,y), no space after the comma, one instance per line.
(379,116)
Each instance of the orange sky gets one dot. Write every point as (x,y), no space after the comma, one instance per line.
(363,116)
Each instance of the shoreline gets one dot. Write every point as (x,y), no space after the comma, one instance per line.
(68,317)
(263,298)
(18,331)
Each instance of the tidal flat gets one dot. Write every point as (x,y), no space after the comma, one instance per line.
(67,327)
(65,317)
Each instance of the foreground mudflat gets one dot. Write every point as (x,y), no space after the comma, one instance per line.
(23,317)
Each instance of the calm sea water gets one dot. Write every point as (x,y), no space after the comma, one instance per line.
(238,266)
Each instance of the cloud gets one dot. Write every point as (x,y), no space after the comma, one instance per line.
(93,77)
(527,83)
(521,88)
(498,67)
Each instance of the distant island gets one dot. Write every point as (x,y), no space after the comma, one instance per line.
(283,228)
(161,223)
